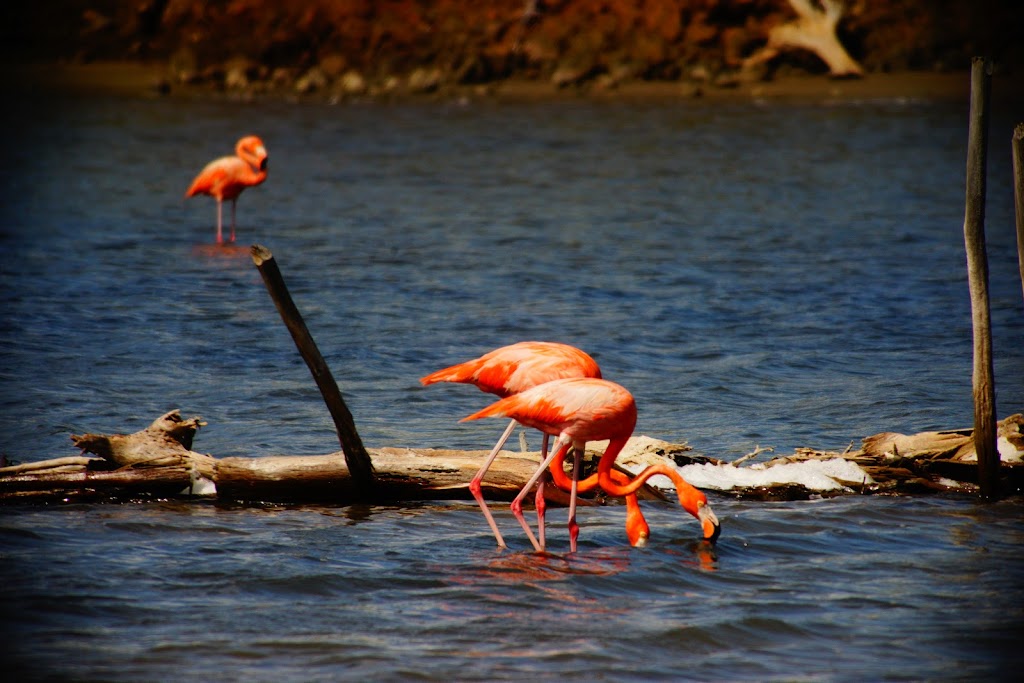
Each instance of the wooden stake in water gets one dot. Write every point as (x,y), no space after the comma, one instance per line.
(977,276)
(356,457)
(1018,193)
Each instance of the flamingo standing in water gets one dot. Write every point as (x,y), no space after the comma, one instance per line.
(512,369)
(585,409)
(227,177)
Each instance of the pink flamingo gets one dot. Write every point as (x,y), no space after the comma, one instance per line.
(585,409)
(512,369)
(227,177)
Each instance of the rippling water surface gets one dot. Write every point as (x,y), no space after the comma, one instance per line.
(778,275)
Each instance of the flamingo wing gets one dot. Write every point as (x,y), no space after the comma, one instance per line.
(221,178)
(585,409)
(517,367)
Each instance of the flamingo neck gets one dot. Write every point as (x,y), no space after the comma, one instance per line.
(688,494)
(254,176)
(561,480)
(637,529)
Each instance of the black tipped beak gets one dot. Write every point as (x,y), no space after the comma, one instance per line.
(709,524)
(263,164)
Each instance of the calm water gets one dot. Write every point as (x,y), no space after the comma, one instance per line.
(778,275)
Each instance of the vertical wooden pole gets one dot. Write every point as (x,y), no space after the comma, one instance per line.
(1018,194)
(356,457)
(977,276)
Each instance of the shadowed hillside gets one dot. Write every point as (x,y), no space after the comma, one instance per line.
(362,45)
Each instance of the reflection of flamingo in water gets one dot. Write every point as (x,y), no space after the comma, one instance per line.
(584,409)
(227,177)
(513,369)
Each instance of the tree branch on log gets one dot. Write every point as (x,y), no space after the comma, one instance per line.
(356,457)
(167,441)
(957,444)
(753,454)
(813,29)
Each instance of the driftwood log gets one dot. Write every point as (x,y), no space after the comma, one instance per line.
(157,463)
(813,29)
(938,461)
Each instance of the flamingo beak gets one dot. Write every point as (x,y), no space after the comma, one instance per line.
(708,522)
(263,164)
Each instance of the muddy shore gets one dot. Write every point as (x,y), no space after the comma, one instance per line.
(149,80)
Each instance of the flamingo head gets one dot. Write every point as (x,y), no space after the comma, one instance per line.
(696,503)
(637,530)
(708,522)
(252,149)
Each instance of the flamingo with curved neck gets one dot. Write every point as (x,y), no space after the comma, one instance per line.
(510,370)
(637,530)
(579,410)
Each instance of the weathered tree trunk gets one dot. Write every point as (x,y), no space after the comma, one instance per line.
(813,29)
(1018,184)
(977,274)
(401,474)
(155,462)
(158,466)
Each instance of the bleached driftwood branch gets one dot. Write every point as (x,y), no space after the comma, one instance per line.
(814,29)
(155,463)
(158,461)
(167,441)
(957,444)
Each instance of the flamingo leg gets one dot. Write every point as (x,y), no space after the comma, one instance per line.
(220,238)
(474,484)
(517,505)
(539,501)
(574,528)
(233,202)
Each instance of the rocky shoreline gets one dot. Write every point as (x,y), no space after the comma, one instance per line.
(335,50)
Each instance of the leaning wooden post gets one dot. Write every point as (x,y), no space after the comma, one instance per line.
(977,276)
(1018,184)
(356,457)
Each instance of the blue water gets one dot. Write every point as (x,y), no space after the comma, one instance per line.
(780,275)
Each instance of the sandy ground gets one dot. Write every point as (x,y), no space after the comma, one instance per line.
(143,79)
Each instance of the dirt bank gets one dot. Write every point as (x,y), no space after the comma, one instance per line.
(149,80)
(357,48)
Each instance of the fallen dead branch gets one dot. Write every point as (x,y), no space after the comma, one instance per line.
(813,29)
(753,454)
(157,462)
